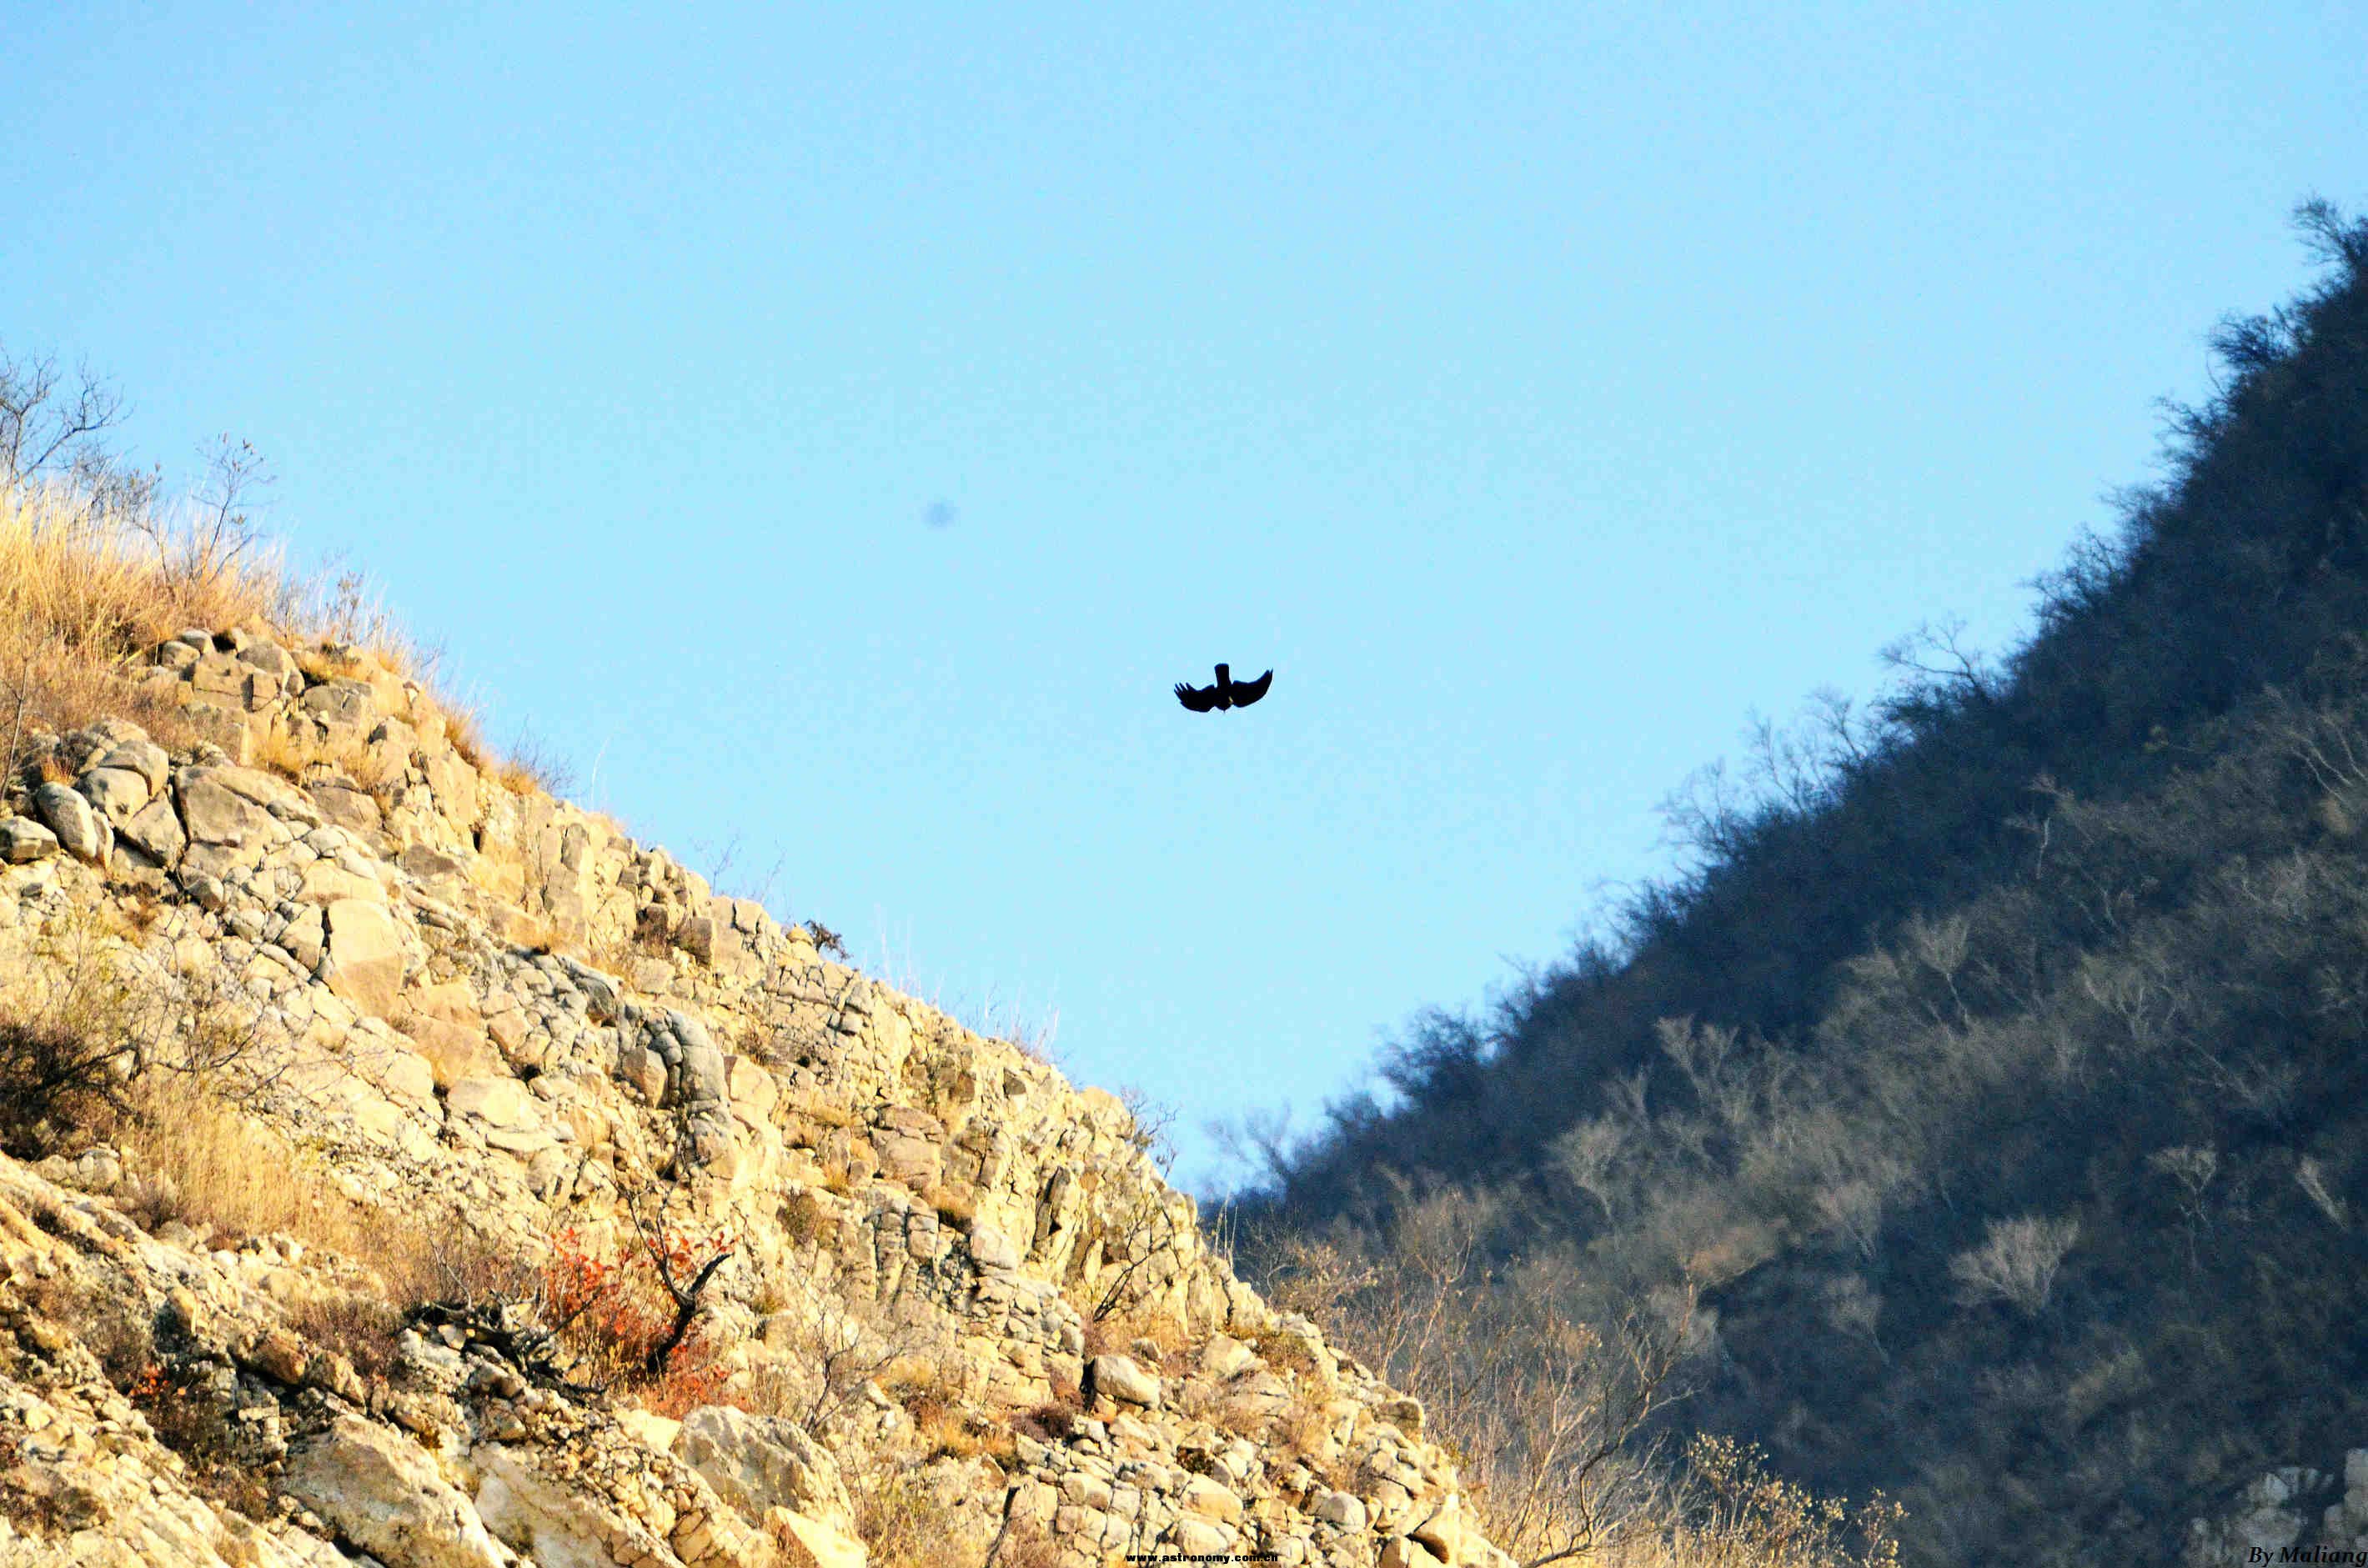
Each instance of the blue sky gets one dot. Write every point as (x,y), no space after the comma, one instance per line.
(1539,389)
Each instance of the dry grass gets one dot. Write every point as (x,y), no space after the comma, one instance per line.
(804,1220)
(955,1206)
(823,1112)
(330,660)
(1285,1353)
(1307,1430)
(1116,1333)
(221,1174)
(1734,1515)
(78,1029)
(1051,1421)
(906,1525)
(948,1431)
(374,770)
(531,765)
(86,594)
(228,1178)
(224,1175)
(931,1391)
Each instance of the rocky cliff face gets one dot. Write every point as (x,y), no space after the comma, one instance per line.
(930,1302)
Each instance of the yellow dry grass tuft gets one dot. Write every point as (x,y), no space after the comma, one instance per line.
(203,1162)
(956,1206)
(87,591)
(82,595)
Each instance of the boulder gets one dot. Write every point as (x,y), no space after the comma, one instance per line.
(1449,1535)
(915,1162)
(1211,1501)
(699,1077)
(432,864)
(80,830)
(810,1543)
(761,1462)
(306,937)
(452,1052)
(381,1491)
(348,806)
(117,792)
(365,960)
(451,1002)
(23,839)
(214,813)
(144,757)
(1225,1356)
(156,830)
(552,1526)
(1197,1538)
(270,658)
(454,784)
(992,1250)
(642,1068)
(1403,1552)
(500,1102)
(1118,1378)
(341,704)
(327,881)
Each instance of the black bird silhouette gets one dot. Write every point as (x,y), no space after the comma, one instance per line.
(1227,693)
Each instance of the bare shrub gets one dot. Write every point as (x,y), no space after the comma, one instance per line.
(1738,1516)
(75,1034)
(2016,1262)
(192,1421)
(900,1519)
(835,1347)
(2192,1169)
(1592,1156)
(532,764)
(2312,1178)
(85,591)
(1545,1409)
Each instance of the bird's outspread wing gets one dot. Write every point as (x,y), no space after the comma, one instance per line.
(1199,699)
(1249,691)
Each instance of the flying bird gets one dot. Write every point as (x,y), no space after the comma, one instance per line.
(1227,693)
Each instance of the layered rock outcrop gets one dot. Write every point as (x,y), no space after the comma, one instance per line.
(952,1287)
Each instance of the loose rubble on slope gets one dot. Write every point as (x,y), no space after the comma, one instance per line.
(476,1008)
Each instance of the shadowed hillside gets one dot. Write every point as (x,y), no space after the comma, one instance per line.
(1996,1066)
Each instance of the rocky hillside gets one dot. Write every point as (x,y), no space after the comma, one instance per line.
(408,1168)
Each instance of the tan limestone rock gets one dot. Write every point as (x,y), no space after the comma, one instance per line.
(1118,1378)
(325,881)
(756,1463)
(553,1526)
(451,1053)
(366,956)
(1404,1551)
(502,1102)
(382,1491)
(810,1543)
